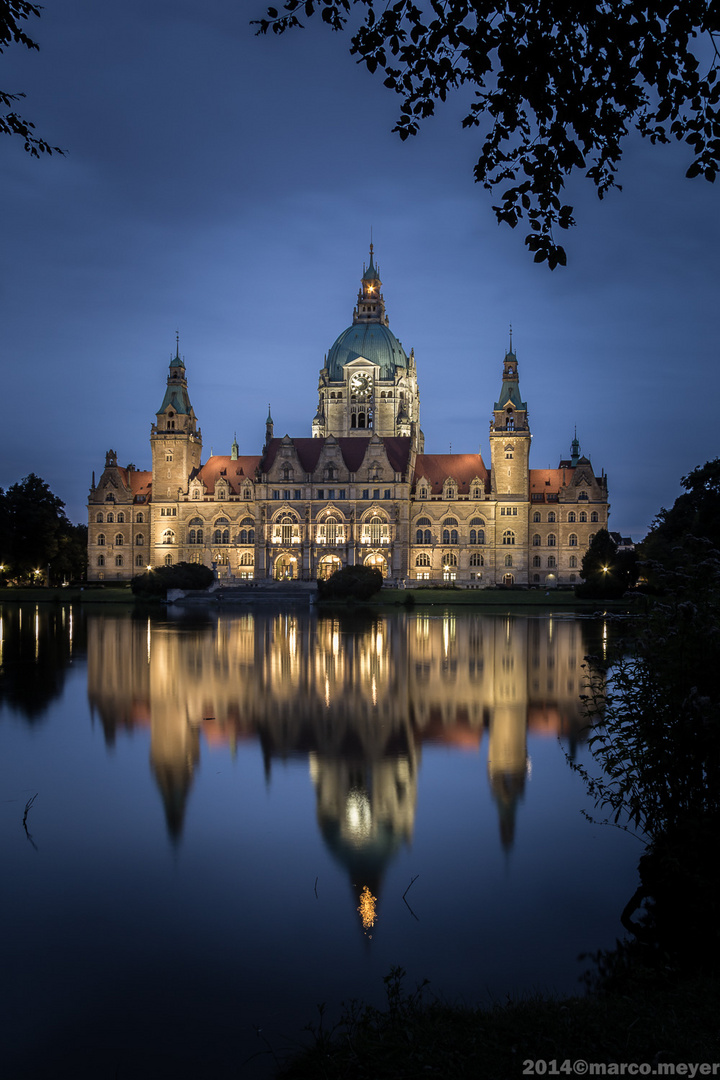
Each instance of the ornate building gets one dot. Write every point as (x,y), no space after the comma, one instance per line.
(360,490)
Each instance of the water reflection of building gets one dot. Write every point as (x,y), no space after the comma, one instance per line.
(357,696)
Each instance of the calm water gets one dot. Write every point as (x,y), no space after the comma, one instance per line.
(216,791)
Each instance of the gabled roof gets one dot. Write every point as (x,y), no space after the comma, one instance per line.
(140,483)
(437,468)
(353,451)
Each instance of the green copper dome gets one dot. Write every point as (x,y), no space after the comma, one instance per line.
(371,340)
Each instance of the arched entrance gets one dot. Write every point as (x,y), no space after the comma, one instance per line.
(377,562)
(285,567)
(328,565)
(508,579)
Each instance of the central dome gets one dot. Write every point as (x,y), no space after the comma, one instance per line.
(374,342)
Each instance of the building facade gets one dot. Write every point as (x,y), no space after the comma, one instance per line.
(360,490)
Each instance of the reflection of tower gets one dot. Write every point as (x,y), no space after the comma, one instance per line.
(507,745)
(174,753)
(366,810)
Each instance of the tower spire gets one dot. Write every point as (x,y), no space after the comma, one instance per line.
(371,303)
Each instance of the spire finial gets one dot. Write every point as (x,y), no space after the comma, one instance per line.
(510,337)
(177,344)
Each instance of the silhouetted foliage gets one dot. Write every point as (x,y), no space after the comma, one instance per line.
(695,515)
(35,534)
(557,86)
(606,572)
(351,583)
(183,575)
(11,30)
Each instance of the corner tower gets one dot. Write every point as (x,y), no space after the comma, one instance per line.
(175,440)
(510,435)
(368,383)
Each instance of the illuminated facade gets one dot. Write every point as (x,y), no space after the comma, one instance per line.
(361,490)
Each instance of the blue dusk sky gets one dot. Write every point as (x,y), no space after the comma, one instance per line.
(225,186)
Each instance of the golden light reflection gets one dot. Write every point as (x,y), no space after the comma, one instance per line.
(327,692)
(367,909)
(148,641)
(37,632)
(604,639)
(374,691)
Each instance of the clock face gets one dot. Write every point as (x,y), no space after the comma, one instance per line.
(360,384)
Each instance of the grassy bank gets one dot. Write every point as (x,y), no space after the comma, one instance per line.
(69,594)
(498,598)
(652,1020)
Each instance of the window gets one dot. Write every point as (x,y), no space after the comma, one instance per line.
(110,498)
(275,494)
(508,560)
(168,457)
(376,530)
(450,536)
(476,492)
(139,540)
(536,540)
(387,493)
(376,493)
(422,560)
(583,495)
(168,560)
(99,517)
(118,540)
(591,537)
(571,516)
(121,518)
(476,559)
(101,560)
(551,562)
(222,531)
(110,518)
(536,517)
(536,560)
(551,516)
(194,556)
(477,536)
(101,540)
(573,561)
(551,540)
(247,559)
(583,515)
(138,560)
(247,493)
(139,518)
(572,540)
(422,492)
(423,521)
(342,493)
(366,493)
(508,537)
(594,516)
(196,493)
(168,537)
(118,560)
(450,559)
(536,578)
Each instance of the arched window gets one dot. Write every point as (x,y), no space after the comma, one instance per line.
(573,561)
(551,562)
(476,559)
(99,517)
(477,536)
(594,516)
(551,540)
(110,518)
(139,518)
(138,560)
(591,537)
(101,539)
(110,497)
(222,531)
(419,536)
(583,495)
(423,521)
(450,536)
(121,518)
(551,516)
(450,523)
(118,560)
(536,517)
(508,537)
(572,540)
(376,530)
(508,560)
(450,559)
(139,540)
(571,516)
(536,560)
(247,558)
(536,540)
(422,560)
(168,560)
(248,523)
(583,515)
(510,421)
(118,540)
(168,537)
(101,560)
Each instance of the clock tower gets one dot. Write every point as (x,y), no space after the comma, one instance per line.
(368,384)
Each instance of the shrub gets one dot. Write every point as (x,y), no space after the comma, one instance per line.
(183,575)
(351,583)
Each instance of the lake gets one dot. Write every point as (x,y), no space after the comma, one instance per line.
(243,814)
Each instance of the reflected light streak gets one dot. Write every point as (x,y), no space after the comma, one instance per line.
(148,641)
(70,629)
(37,632)
(367,909)
(2,640)
(374,691)
(327,692)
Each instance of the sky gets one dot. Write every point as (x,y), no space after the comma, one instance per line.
(225,186)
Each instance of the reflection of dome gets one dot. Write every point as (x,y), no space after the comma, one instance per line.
(374,342)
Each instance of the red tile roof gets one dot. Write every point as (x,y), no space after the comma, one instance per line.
(140,483)
(233,471)
(549,480)
(437,468)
